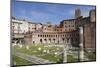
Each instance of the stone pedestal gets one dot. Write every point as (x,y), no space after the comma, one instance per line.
(20,46)
(27,47)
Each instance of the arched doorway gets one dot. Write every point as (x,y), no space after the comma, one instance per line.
(40,40)
(45,40)
(54,40)
(63,40)
(50,40)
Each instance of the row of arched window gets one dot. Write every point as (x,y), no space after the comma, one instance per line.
(56,35)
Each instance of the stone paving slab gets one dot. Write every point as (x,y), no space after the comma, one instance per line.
(33,59)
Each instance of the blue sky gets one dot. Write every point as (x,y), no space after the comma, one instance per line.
(44,12)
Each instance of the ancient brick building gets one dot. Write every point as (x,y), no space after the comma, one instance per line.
(66,32)
(90,31)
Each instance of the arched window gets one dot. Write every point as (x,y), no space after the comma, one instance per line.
(49,35)
(63,35)
(38,35)
(41,35)
(56,35)
(67,40)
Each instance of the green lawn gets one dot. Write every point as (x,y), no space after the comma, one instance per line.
(40,53)
(91,55)
(20,61)
(33,50)
(71,59)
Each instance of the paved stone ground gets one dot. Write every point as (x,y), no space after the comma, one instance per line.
(33,59)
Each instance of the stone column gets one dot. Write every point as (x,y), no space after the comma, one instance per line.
(81,45)
(69,44)
(20,41)
(65,53)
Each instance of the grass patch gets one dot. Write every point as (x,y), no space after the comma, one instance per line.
(33,50)
(71,59)
(20,61)
(91,55)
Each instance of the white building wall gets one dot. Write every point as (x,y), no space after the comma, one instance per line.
(24,26)
(16,26)
(38,26)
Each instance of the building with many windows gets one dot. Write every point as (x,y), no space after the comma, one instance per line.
(67,32)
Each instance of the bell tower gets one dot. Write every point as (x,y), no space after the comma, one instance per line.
(77,13)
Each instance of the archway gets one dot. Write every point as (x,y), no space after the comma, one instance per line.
(40,40)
